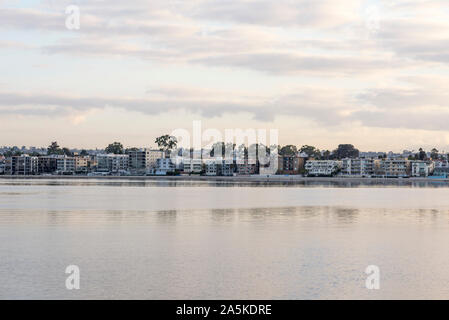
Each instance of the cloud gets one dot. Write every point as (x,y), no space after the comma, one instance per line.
(209,104)
(285,63)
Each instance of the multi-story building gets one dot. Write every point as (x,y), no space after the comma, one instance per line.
(441,169)
(164,166)
(290,165)
(82,164)
(47,164)
(246,168)
(114,163)
(21,165)
(393,168)
(65,165)
(357,167)
(2,165)
(219,167)
(140,161)
(192,165)
(322,167)
(419,169)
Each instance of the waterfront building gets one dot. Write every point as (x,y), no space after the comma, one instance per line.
(47,164)
(164,166)
(21,165)
(2,165)
(141,160)
(290,165)
(114,163)
(65,165)
(322,167)
(246,168)
(219,167)
(441,169)
(393,168)
(192,165)
(357,167)
(419,169)
(82,164)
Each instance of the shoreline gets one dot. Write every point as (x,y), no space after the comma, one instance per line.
(264,179)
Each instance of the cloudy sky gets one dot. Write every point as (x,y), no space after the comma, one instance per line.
(373,73)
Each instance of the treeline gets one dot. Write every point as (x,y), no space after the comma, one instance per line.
(170,143)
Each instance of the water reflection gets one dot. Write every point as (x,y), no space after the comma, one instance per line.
(229,182)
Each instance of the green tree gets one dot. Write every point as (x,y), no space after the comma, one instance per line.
(115,148)
(166,142)
(326,155)
(84,153)
(311,151)
(434,154)
(67,152)
(54,148)
(346,151)
(422,154)
(289,150)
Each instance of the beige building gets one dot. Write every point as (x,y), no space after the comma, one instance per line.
(393,168)
(144,159)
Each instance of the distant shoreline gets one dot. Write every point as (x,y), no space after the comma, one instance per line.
(264,179)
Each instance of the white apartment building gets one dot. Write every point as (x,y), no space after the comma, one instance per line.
(322,167)
(112,163)
(164,166)
(419,169)
(192,165)
(219,167)
(357,167)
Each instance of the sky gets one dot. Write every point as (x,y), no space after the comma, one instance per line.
(373,73)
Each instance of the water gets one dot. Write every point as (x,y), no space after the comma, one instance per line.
(191,240)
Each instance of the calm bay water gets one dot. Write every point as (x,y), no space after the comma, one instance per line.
(191,240)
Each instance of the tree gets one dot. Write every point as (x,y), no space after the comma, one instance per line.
(115,148)
(67,152)
(166,142)
(434,154)
(311,151)
(54,148)
(326,155)
(84,153)
(422,154)
(289,150)
(346,151)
